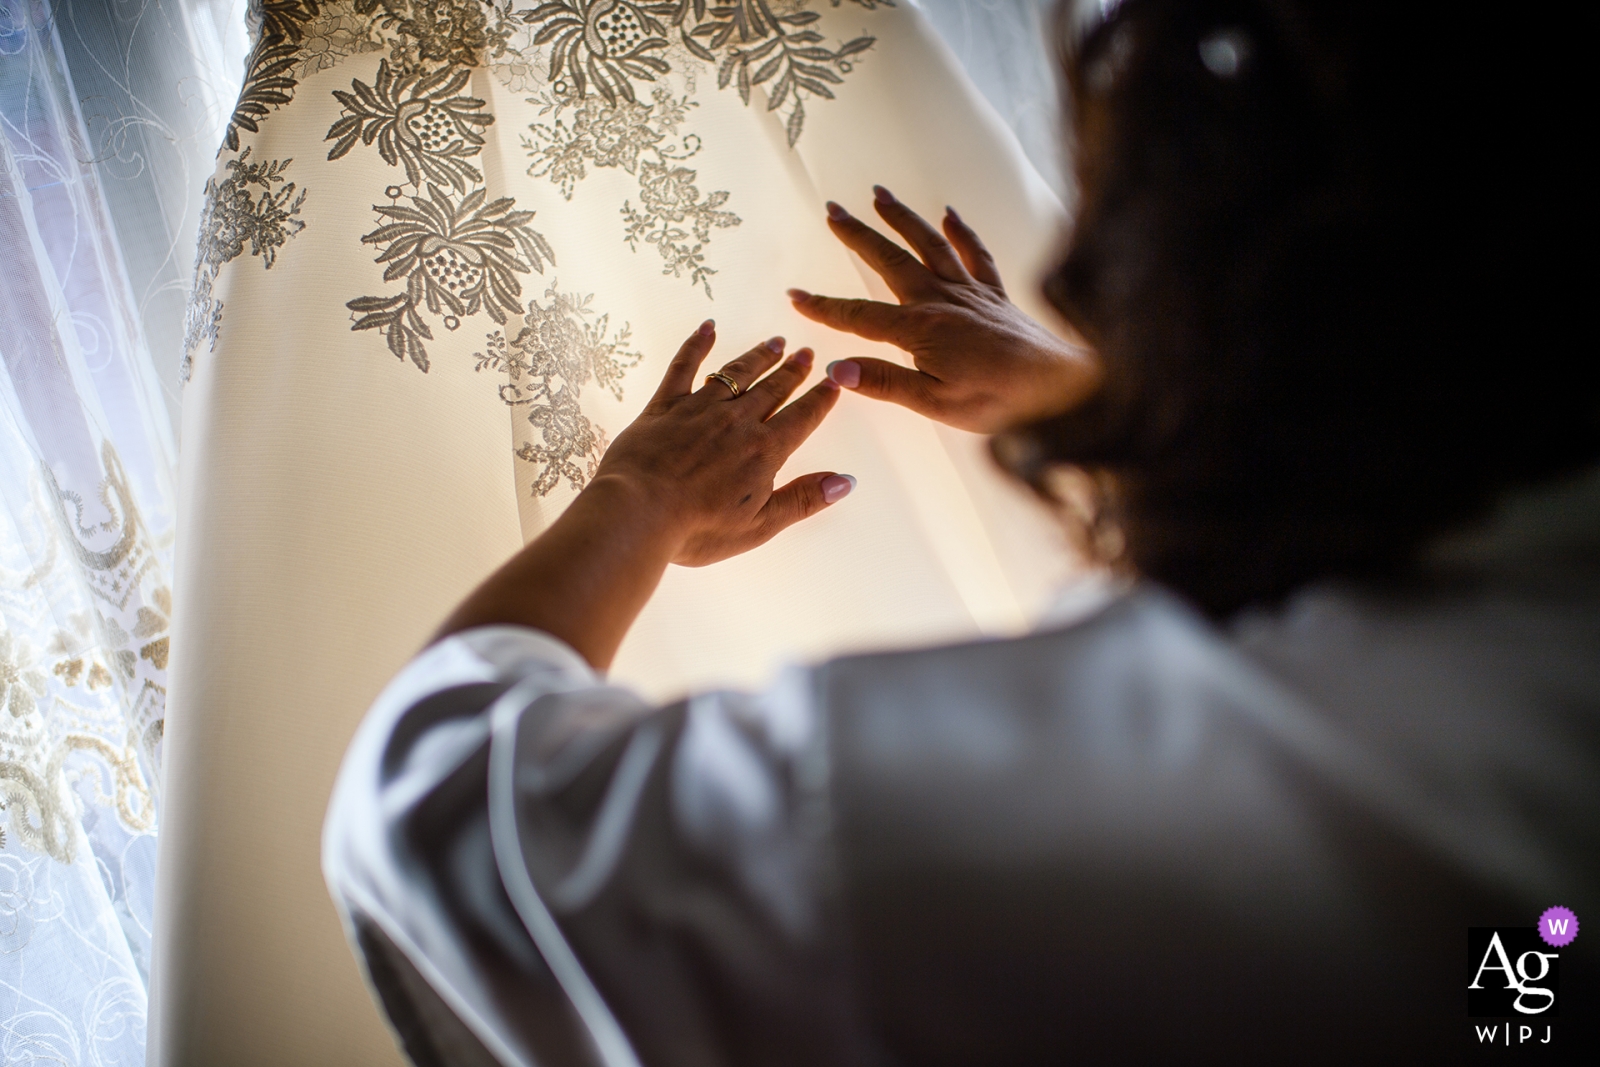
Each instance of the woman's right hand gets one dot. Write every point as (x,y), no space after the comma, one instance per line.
(689,481)
(697,466)
(981,364)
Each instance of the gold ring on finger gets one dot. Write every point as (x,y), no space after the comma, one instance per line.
(718,376)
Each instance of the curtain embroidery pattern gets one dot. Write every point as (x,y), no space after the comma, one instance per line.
(115,647)
(451,249)
(86,534)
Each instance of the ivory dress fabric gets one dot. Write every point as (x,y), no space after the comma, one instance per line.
(446,254)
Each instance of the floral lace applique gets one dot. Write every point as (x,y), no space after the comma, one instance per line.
(254,204)
(456,250)
(624,133)
(451,33)
(457,256)
(553,356)
(603,46)
(270,70)
(334,34)
(298,38)
(667,195)
(419,122)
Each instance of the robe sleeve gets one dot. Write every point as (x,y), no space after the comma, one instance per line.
(536,867)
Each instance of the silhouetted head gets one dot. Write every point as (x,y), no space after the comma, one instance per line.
(1323,261)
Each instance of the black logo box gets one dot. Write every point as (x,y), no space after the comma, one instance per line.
(1534,974)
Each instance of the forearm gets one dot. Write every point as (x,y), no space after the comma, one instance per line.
(585,579)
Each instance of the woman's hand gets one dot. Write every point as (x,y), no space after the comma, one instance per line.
(981,364)
(690,481)
(702,461)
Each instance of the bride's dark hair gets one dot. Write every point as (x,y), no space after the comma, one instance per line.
(1319,257)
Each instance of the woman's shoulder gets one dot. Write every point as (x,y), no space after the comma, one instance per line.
(1434,712)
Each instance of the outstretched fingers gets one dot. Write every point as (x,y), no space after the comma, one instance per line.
(883,380)
(901,271)
(792,425)
(771,391)
(872,319)
(929,243)
(680,375)
(972,250)
(802,498)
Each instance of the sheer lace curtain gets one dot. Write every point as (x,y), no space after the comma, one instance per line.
(106,134)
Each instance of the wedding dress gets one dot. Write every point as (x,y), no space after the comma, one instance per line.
(445,256)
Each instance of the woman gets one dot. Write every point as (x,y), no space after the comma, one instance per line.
(1241,812)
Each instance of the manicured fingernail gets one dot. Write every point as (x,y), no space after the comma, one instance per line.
(847,372)
(837,213)
(708,327)
(775,345)
(882,195)
(948,210)
(836,487)
(799,294)
(802,358)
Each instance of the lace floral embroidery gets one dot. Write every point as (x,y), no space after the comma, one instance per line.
(603,46)
(457,256)
(600,46)
(453,250)
(338,31)
(419,121)
(253,205)
(553,356)
(625,133)
(298,38)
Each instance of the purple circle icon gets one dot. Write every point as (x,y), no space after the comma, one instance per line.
(1558,926)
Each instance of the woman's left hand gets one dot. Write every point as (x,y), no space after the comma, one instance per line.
(980,363)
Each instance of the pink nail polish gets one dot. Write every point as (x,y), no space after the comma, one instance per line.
(708,327)
(847,372)
(799,294)
(948,210)
(837,213)
(803,358)
(882,195)
(775,345)
(836,487)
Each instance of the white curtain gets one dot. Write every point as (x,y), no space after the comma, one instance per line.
(109,114)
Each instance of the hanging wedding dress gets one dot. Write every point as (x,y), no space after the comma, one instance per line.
(446,254)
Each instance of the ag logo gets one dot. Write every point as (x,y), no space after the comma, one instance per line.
(1511,972)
